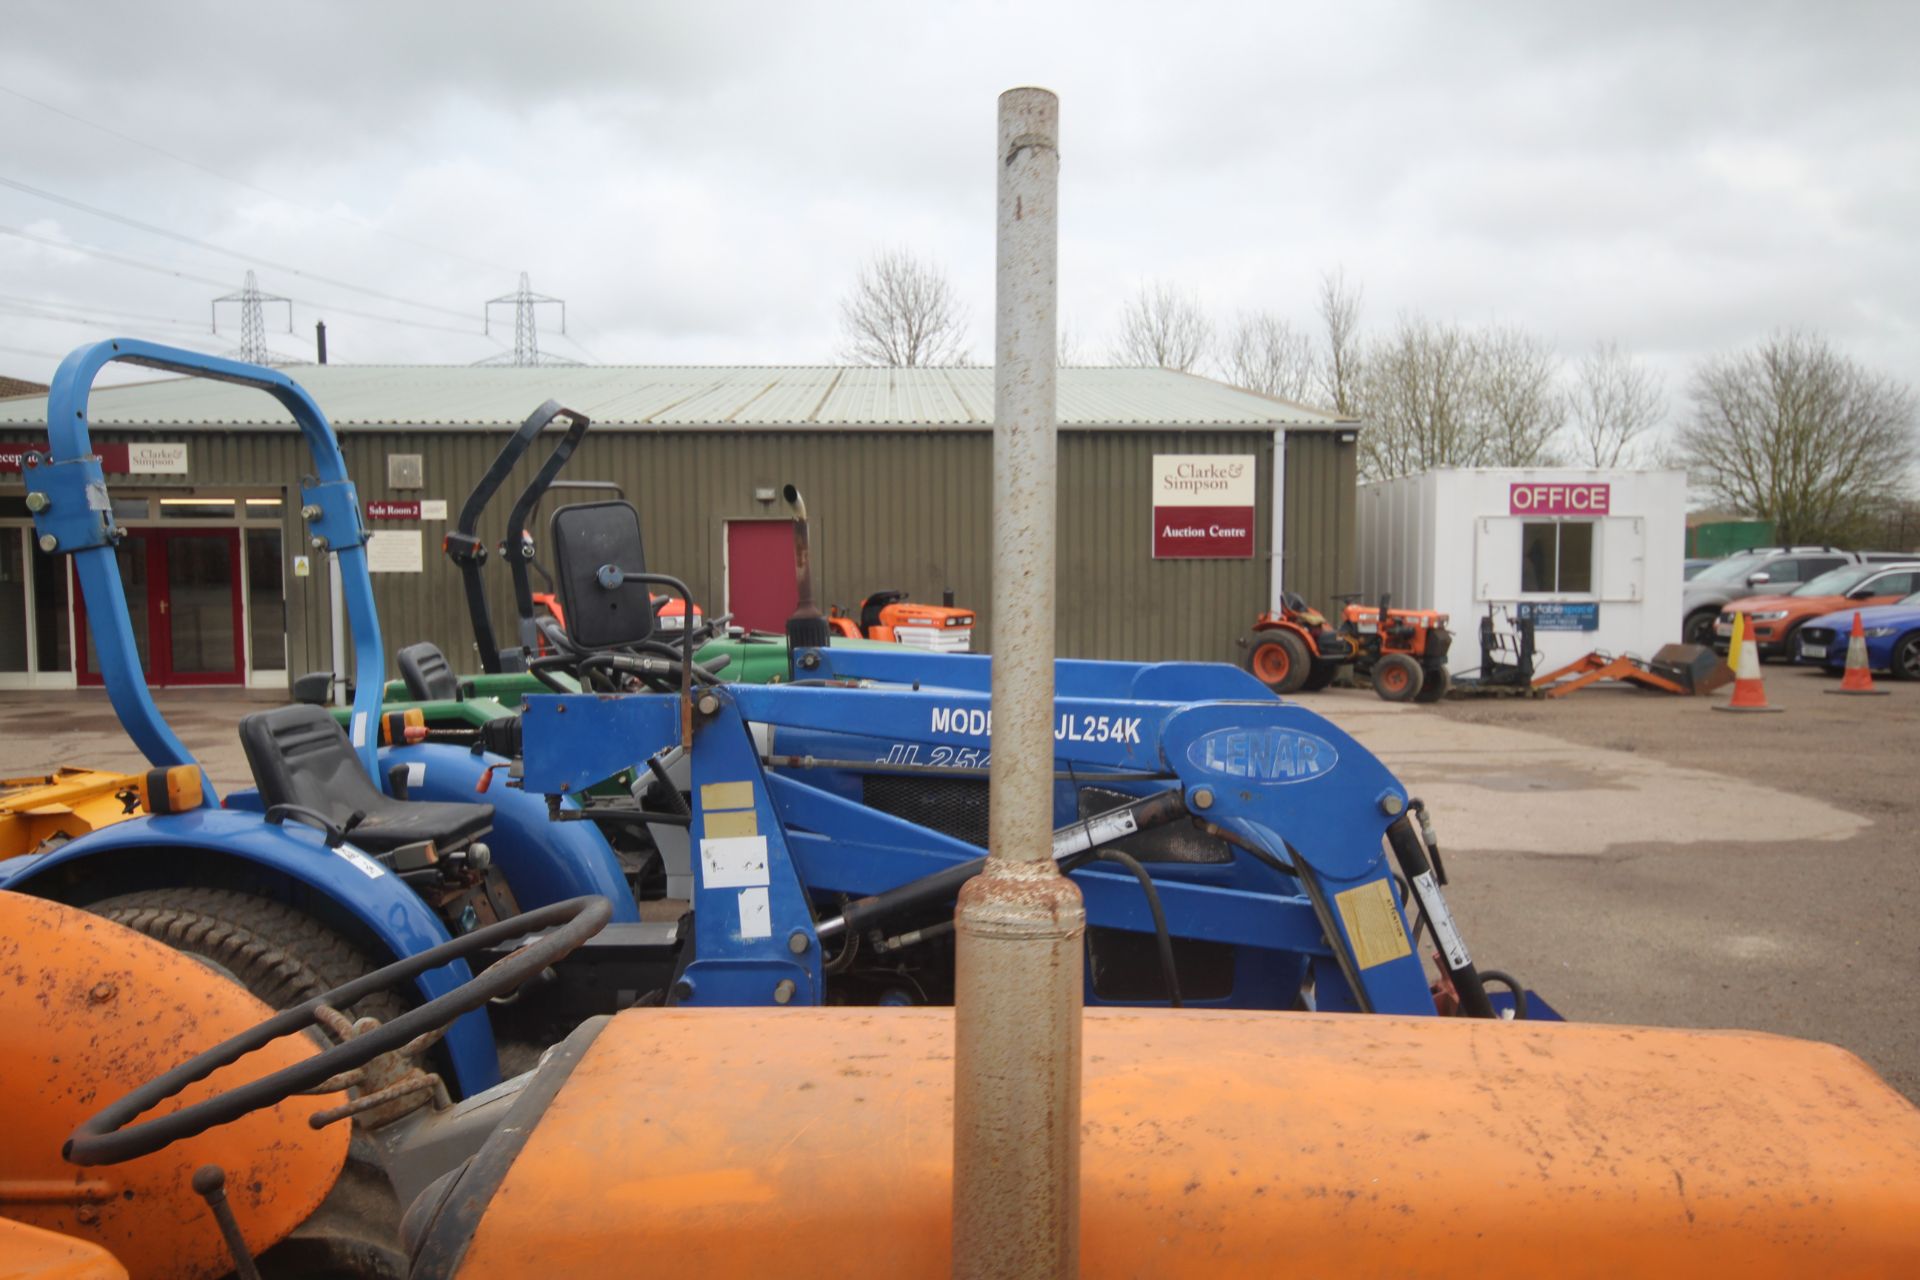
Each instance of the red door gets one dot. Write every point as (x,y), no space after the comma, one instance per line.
(183,594)
(760,589)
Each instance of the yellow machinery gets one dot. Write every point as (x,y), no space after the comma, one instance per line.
(72,801)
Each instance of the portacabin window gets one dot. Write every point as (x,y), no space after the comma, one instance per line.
(1556,557)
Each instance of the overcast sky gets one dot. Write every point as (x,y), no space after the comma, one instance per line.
(700,182)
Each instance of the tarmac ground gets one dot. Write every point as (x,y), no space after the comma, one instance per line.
(1634,857)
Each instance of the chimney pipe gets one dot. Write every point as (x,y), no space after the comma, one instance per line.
(320,339)
(806,629)
(1020,924)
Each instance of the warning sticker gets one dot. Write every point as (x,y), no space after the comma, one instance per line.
(361,862)
(1442,921)
(756,914)
(1095,831)
(1373,924)
(736,863)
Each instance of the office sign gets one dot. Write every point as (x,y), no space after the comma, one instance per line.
(393,509)
(146,458)
(1552,615)
(1203,506)
(1558,499)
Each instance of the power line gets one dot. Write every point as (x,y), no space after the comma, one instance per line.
(254,259)
(160,269)
(362,223)
(105,313)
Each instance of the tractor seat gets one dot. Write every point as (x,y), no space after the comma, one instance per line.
(300,756)
(872,607)
(428,675)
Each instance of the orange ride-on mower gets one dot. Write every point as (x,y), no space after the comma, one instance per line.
(1295,649)
(889,615)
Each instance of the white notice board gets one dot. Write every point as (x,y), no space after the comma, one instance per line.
(394,551)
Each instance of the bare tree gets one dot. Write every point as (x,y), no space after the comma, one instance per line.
(1162,326)
(1439,395)
(1516,384)
(1794,432)
(1068,340)
(1340,324)
(1264,353)
(1417,389)
(902,312)
(1615,403)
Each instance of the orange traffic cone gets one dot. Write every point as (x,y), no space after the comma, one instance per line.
(1749,694)
(1859,677)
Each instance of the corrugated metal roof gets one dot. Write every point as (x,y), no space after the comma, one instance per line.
(683,396)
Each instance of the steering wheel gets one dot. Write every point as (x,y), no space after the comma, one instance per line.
(103,1139)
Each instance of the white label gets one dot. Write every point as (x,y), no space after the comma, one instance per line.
(394,551)
(1203,480)
(361,862)
(157,459)
(359,730)
(416,773)
(301,567)
(433,508)
(1099,830)
(1442,921)
(735,862)
(756,914)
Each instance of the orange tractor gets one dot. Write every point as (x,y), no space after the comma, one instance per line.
(1295,649)
(889,615)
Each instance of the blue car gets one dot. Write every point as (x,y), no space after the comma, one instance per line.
(1893,639)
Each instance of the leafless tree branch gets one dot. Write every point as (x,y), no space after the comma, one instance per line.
(1264,353)
(1615,403)
(1162,326)
(902,312)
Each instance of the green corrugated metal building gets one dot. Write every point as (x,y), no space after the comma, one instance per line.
(895,465)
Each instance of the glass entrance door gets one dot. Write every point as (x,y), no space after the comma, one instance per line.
(183,595)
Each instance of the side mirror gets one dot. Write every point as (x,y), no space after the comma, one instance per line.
(597,551)
(1759,578)
(1862,593)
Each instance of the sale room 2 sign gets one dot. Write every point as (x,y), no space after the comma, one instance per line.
(1203,506)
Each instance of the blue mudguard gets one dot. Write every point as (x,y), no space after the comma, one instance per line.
(291,862)
(1073,677)
(544,861)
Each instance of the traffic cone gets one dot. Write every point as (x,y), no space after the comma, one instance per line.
(1859,677)
(1749,694)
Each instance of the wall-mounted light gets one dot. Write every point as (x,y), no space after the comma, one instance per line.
(765,495)
(1348,437)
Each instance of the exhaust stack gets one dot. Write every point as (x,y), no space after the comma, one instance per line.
(1020,924)
(807,628)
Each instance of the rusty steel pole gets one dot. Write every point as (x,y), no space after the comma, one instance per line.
(1020,923)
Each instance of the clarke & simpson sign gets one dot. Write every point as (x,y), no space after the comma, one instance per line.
(1203,506)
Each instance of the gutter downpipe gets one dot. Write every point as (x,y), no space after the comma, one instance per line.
(1020,924)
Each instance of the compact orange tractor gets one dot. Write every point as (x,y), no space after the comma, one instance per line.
(1295,650)
(889,615)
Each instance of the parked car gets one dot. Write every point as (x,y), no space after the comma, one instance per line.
(1690,567)
(1772,621)
(1892,635)
(1746,573)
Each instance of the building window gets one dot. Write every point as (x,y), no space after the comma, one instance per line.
(266,600)
(1556,557)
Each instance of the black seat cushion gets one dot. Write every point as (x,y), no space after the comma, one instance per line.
(428,675)
(300,755)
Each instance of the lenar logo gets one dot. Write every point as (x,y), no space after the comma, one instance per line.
(1270,756)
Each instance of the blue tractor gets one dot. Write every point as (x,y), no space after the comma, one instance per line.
(1234,850)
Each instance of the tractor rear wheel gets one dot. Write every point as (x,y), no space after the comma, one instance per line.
(1397,678)
(1319,675)
(1279,660)
(284,957)
(1435,685)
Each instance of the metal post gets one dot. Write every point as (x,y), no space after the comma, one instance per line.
(1020,923)
(337,616)
(320,340)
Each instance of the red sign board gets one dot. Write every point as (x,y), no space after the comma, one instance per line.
(1202,532)
(1558,499)
(1203,506)
(113,457)
(394,509)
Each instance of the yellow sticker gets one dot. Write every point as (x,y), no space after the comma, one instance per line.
(727,824)
(1373,924)
(726,795)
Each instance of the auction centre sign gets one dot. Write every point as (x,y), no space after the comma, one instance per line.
(1203,506)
